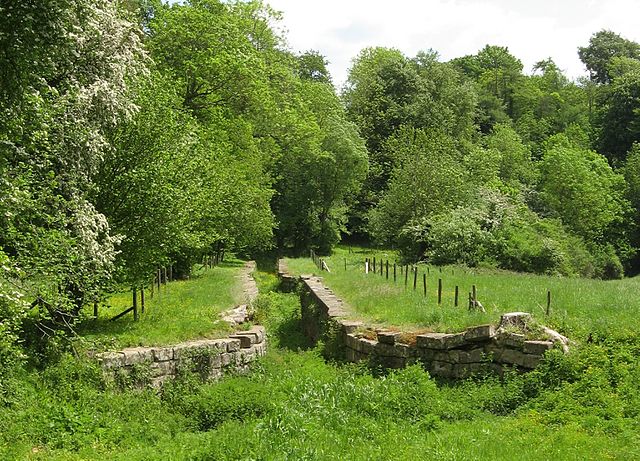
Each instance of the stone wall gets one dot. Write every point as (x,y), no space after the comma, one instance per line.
(479,349)
(212,358)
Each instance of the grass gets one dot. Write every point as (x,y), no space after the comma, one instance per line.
(579,307)
(183,310)
(296,406)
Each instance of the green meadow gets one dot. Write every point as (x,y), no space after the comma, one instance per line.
(181,310)
(578,307)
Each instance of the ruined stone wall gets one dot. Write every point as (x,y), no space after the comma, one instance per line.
(212,358)
(479,349)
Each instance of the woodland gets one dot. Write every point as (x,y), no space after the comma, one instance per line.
(136,134)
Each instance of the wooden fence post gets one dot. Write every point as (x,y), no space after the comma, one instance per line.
(406,276)
(387,269)
(439,291)
(394,272)
(95,309)
(548,302)
(142,299)
(159,279)
(455,299)
(135,304)
(424,283)
(415,278)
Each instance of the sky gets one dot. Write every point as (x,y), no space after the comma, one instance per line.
(532,29)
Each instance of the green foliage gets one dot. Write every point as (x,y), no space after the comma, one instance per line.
(603,47)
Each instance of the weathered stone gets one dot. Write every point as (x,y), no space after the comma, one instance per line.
(351,341)
(440,340)
(442,369)
(227,359)
(479,333)
(366,346)
(111,360)
(397,350)
(536,347)
(472,356)
(446,356)
(493,352)
(260,332)
(137,355)
(229,345)
(388,337)
(159,381)
(349,326)
(518,320)
(426,355)
(162,354)
(162,368)
(513,357)
(245,340)
(215,361)
(512,340)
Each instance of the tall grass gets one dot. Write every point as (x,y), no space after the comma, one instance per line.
(182,310)
(579,307)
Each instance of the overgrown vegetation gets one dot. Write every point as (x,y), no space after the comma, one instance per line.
(294,405)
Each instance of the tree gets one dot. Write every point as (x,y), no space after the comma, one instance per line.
(65,66)
(603,47)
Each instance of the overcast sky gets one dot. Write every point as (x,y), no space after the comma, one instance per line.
(531,29)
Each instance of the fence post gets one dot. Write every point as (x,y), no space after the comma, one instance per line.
(164,280)
(142,299)
(424,283)
(455,299)
(406,276)
(415,278)
(171,272)
(374,264)
(548,302)
(159,279)
(394,272)
(135,304)
(95,309)
(387,269)
(439,291)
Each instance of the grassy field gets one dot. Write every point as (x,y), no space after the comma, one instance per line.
(183,310)
(579,307)
(295,406)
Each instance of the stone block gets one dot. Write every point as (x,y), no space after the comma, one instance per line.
(518,320)
(215,361)
(537,347)
(260,332)
(493,352)
(479,333)
(135,355)
(349,326)
(366,346)
(442,369)
(227,358)
(388,337)
(447,356)
(512,340)
(397,350)
(111,360)
(245,340)
(162,368)
(513,357)
(471,356)
(162,354)
(440,340)
(351,341)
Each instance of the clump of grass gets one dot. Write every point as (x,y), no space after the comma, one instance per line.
(182,310)
(579,307)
